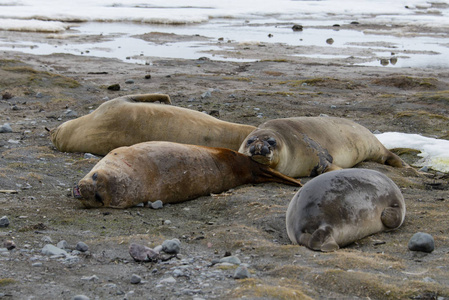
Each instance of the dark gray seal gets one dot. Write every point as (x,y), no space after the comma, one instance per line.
(337,208)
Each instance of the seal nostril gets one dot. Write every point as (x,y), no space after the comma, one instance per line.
(94,177)
(252,149)
(265,150)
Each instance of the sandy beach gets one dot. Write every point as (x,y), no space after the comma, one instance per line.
(249,221)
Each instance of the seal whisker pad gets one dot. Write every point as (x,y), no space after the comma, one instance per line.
(338,208)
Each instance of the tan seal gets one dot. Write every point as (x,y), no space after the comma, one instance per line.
(133,119)
(308,146)
(337,208)
(170,172)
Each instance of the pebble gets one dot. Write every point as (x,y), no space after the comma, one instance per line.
(167,222)
(47,240)
(80,246)
(156,204)
(89,156)
(114,87)
(71,113)
(297,27)
(4,222)
(6,128)
(142,253)
(39,95)
(241,272)
(206,95)
(9,245)
(62,245)
(52,250)
(80,297)
(135,279)
(129,81)
(171,246)
(231,260)
(90,278)
(424,169)
(37,264)
(168,280)
(421,241)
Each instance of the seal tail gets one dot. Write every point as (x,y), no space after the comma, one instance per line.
(267,174)
(163,98)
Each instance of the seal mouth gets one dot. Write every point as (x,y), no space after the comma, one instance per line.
(76,192)
(261,159)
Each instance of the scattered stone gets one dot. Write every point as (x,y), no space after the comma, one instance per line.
(4,222)
(421,241)
(135,279)
(9,245)
(90,278)
(156,204)
(7,96)
(171,246)
(205,95)
(39,95)
(241,272)
(62,245)
(168,280)
(114,87)
(141,253)
(46,239)
(80,246)
(297,27)
(37,264)
(6,128)
(231,260)
(424,169)
(80,297)
(148,76)
(129,81)
(167,222)
(330,41)
(215,113)
(90,156)
(71,113)
(52,250)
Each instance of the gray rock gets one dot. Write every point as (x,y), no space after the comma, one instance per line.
(89,156)
(52,250)
(4,222)
(129,81)
(6,128)
(80,246)
(91,278)
(231,260)
(241,272)
(171,246)
(421,241)
(135,279)
(142,253)
(62,245)
(168,280)
(47,240)
(207,94)
(37,264)
(80,297)
(71,113)
(156,204)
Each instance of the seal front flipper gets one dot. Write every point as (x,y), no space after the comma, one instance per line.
(321,239)
(391,217)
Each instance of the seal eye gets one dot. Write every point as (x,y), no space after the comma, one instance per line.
(94,177)
(251,140)
(271,141)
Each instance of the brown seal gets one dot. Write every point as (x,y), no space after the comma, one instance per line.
(337,208)
(308,146)
(170,172)
(129,120)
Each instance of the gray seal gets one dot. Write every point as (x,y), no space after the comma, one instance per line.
(337,208)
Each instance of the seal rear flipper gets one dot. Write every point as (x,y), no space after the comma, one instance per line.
(323,240)
(267,174)
(391,217)
(163,98)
